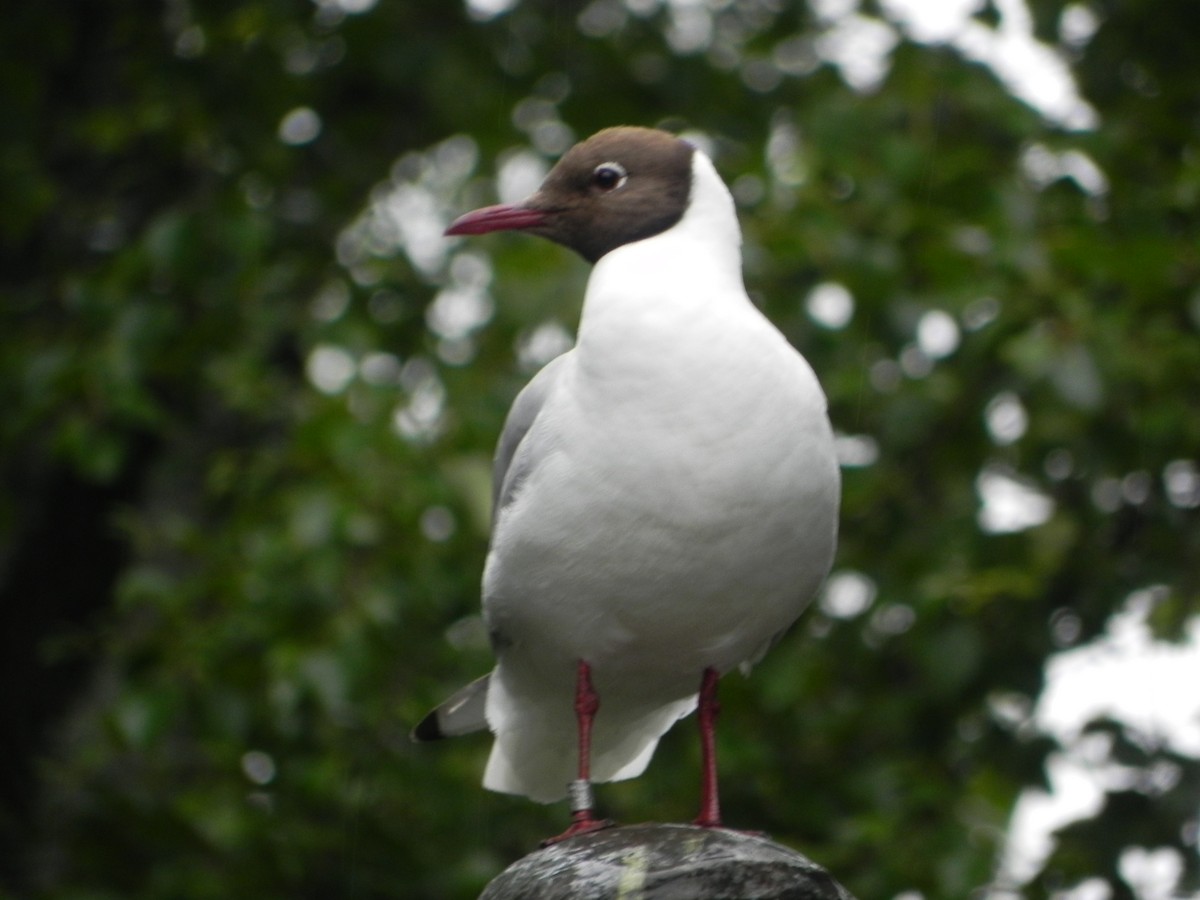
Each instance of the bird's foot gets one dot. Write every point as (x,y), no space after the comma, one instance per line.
(583,822)
(583,813)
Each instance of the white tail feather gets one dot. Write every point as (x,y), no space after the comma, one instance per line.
(536,749)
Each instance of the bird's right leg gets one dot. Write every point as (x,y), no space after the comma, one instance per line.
(583,813)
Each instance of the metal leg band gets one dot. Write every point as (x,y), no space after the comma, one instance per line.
(580,793)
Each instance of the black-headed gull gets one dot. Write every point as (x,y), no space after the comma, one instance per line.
(666,493)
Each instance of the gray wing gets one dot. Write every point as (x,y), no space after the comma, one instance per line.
(466,711)
(461,714)
(507,476)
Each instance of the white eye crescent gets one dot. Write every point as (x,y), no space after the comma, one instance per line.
(608,176)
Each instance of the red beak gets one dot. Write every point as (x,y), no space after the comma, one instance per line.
(504,217)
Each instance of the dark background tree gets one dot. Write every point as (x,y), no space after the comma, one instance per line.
(250,397)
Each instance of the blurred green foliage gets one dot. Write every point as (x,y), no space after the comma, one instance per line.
(245,466)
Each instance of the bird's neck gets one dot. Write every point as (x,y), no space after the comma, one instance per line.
(659,312)
(654,287)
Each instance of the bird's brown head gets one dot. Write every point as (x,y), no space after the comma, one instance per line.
(619,186)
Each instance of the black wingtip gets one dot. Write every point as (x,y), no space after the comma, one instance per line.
(428,729)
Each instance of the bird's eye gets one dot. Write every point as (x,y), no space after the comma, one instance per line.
(609,176)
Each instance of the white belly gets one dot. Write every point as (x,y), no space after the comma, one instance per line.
(662,537)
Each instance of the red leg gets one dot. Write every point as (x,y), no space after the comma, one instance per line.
(710,805)
(583,815)
(587,704)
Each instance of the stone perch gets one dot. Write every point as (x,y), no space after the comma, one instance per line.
(665,862)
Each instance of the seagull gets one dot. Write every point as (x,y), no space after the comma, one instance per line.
(665,493)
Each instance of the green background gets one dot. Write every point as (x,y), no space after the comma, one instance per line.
(227,594)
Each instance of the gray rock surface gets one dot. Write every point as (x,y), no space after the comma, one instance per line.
(665,862)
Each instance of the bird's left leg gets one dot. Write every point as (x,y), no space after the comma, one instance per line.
(709,707)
